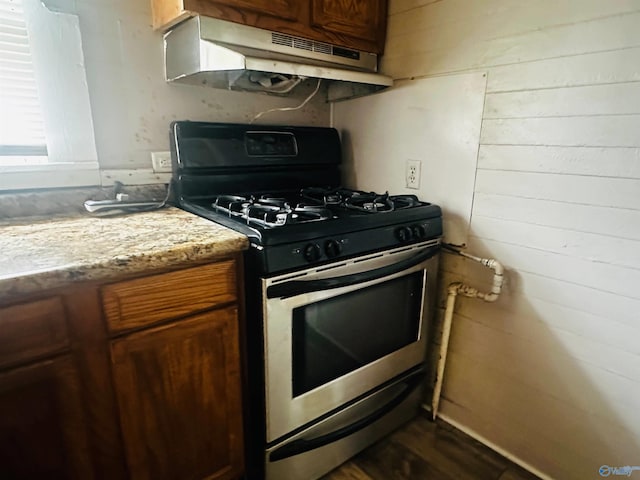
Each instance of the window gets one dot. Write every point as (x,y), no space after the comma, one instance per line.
(46,129)
(22,138)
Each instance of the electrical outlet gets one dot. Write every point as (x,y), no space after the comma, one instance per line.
(413,174)
(161,161)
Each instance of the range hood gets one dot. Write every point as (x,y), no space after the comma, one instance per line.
(220,54)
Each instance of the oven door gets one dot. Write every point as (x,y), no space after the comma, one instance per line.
(335,332)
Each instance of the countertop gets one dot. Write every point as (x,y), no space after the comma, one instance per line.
(58,251)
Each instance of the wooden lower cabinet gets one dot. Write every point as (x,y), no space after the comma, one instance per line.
(43,429)
(137,379)
(179,397)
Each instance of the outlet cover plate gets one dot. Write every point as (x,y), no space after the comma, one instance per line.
(412,174)
(161,161)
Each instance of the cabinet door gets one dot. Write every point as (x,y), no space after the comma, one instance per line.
(42,424)
(178,390)
(285,9)
(29,331)
(277,15)
(361,19)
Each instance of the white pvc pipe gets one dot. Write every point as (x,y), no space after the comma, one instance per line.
(444,345)
(454,290)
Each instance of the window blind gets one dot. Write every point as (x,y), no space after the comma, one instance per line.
(21,122)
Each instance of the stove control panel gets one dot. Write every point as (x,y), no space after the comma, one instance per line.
(411,232)
(403,234)
(332,248)
(321,250)
(312,252)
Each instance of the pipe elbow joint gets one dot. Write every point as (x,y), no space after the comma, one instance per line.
(468,291)
(494,265)
(454,288)
(498,268)
(489,297)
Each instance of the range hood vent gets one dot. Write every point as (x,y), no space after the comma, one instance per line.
(301,43)
(220,54)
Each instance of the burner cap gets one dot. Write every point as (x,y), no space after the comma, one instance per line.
(374,206)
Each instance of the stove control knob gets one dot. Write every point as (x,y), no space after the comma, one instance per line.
(332,248)
(418,231)
(403,234)
(311,252)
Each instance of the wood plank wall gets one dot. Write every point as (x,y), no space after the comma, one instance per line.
(551,373)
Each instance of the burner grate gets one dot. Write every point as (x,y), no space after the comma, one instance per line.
(368,202)
(269,211)
(309,205)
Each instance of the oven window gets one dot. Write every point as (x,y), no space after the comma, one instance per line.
(336,336)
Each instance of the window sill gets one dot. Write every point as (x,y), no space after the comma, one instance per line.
(59,175)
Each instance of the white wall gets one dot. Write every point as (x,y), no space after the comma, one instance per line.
(131,104)
(433,120)
(551,373)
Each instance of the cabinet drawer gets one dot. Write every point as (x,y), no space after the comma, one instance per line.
(145,301)
(32,330)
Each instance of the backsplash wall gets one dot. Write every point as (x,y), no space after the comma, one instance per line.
(132,106)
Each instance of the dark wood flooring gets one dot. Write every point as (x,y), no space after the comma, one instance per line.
(426,450)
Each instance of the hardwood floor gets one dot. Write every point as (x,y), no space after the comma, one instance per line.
(426,450)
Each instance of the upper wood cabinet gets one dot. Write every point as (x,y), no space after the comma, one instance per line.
(357,24)
(285,9)
(361,19)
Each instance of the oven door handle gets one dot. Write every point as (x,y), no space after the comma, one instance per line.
(298,447)
(298,287)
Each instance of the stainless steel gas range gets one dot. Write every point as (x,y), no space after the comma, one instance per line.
(340,287)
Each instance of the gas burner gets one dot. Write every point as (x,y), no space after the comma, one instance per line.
(347,198)
(404,201)
(312,204)
(304,213)
(232,204)
(325,196)
(269,211)
(224,201)
(268,215)
(369,202)
(273,201)
(273,216)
